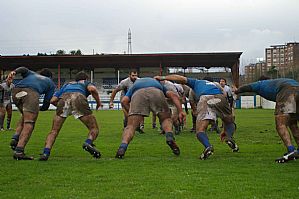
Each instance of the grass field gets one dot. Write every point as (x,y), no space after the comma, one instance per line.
(149,169)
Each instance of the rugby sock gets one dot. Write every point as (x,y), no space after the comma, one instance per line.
(19,150)
(193,120)
(16,136)
(203,138)
(88,141)
(123,146)
(291,148)
(230,129)
(169,136)
(8,123)
(47,151)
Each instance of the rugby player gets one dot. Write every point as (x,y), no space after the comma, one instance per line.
(71,99)
(147,94)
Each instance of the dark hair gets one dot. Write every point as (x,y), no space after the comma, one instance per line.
(263,77)
(81,76)
(133,70)
(223,79)
(46,72)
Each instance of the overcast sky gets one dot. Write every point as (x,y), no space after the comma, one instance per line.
(157,26)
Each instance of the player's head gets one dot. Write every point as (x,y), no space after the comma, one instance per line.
(46,72)
(133,75)
(81,76)
(263,77)
(222,82)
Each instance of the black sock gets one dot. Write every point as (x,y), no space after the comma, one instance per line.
(169,136)
(8,123)
(19,150)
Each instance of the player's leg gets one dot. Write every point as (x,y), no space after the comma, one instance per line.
(128,134)
(175,120)
(166,122)
(201,128)
(154,119)
(229,128)
(50,140)
(2,116)
(91,123)
(9,115)
(15,138)
(295,132)
(281,122)
(205,114)
(28,126)
(125,120)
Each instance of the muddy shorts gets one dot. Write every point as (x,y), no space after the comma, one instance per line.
(287,100)
(210,106)
(148,99)
(6,103)
(26,99)
(75,104)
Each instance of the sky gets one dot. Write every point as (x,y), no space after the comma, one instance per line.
(157,26)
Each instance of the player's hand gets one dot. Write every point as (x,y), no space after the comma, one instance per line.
(111,105)
(234,88)
(11,75)
(99,105)
(182,117)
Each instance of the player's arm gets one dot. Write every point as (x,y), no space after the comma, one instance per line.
(116,90)
(244,89)
(95,94)
(175,99)
(175,78)
(47,98)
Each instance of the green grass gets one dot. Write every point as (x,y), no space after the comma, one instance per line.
(149,169)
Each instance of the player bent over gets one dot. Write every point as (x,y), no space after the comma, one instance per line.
(147,94)
(285,92)
(211,103)
(71,99)
(25,95)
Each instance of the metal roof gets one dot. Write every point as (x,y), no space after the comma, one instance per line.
(227,59)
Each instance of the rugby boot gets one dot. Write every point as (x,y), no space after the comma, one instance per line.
(174,147)
(288,157)
(92,150)
(43,157)
(232,144)
(21,156)
(206,153)
(120,153)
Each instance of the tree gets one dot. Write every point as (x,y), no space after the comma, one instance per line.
(273,72)
(60,52)
(76,52)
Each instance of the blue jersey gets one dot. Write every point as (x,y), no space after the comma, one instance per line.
(74,87)
(203,87)
(37,82)
(145,83)
(270,88)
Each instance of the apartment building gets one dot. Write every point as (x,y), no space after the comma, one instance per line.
(285,58)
